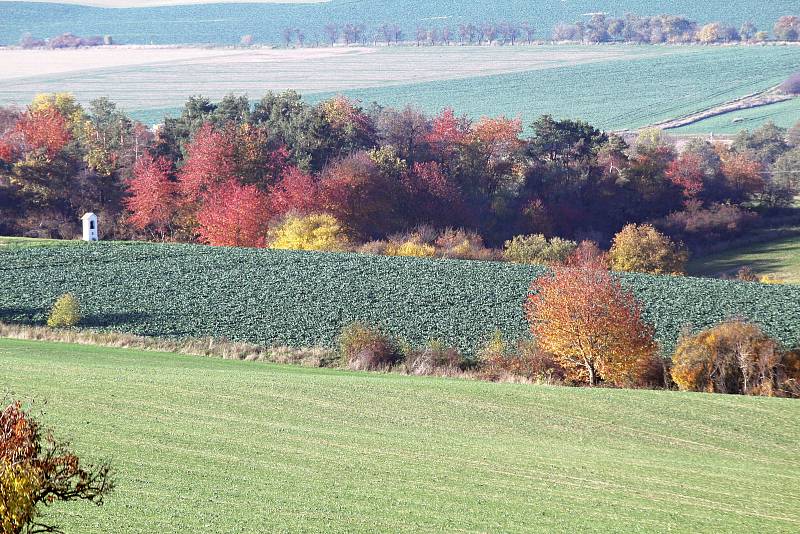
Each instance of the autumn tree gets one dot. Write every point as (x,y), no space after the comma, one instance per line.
(297,191)
(643,249)
(152,195)
(256,158)
(432,196)
(233,215)
(44,130)
(448,131)
(406,131)
(36,471)
(361,197)
(788,28)
(687,173)
(744,176)
(591,326)
(209,162)
(499,135)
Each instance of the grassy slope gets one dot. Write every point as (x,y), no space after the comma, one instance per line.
(223,446)
(779,258)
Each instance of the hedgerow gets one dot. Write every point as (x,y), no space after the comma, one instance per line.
(303,299)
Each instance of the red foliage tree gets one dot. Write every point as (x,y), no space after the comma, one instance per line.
(360,197)
(591,326)
(152,194)
(433,197)
(687,172)
(209,162)
(44,130)
(233,215)
(297,191)
(448,131)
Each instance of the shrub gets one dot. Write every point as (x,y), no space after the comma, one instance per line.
(435,357)
(792,85)
(498,359)
(462,245)
(644,249)
(377,248)
(66,312)
(36,470)
(746,274)
(698,225)
(411,248)
(537,249)
(312,232)
(364,348)
(732,357)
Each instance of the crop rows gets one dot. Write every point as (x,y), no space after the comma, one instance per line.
(612,94)
(303,299)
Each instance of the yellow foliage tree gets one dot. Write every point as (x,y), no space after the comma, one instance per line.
(66,312)
(710,33)
(312,232)
(643,249)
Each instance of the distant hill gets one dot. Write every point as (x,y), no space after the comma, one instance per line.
(226,23)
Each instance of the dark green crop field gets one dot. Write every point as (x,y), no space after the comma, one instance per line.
(219,446)
(303,299)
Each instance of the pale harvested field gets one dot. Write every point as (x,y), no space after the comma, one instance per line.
(154,3)
(141,77)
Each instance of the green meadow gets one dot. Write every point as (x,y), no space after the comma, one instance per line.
(206,445)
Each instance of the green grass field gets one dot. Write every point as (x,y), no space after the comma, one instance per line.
(784,114)
(205,445)
(779,258)
(17,243)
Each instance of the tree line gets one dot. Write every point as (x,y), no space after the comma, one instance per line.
(230,173)
(600,28)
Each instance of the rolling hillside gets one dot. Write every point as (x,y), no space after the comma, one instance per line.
(225,23)
(303,299)
(205,445)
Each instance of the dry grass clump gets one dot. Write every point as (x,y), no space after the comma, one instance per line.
(435,358)
(209,347)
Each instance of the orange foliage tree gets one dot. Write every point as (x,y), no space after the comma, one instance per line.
(36,471)
(744,176)
(735,357)
(234,215)
(581,315)
(499,135)
(44,130)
